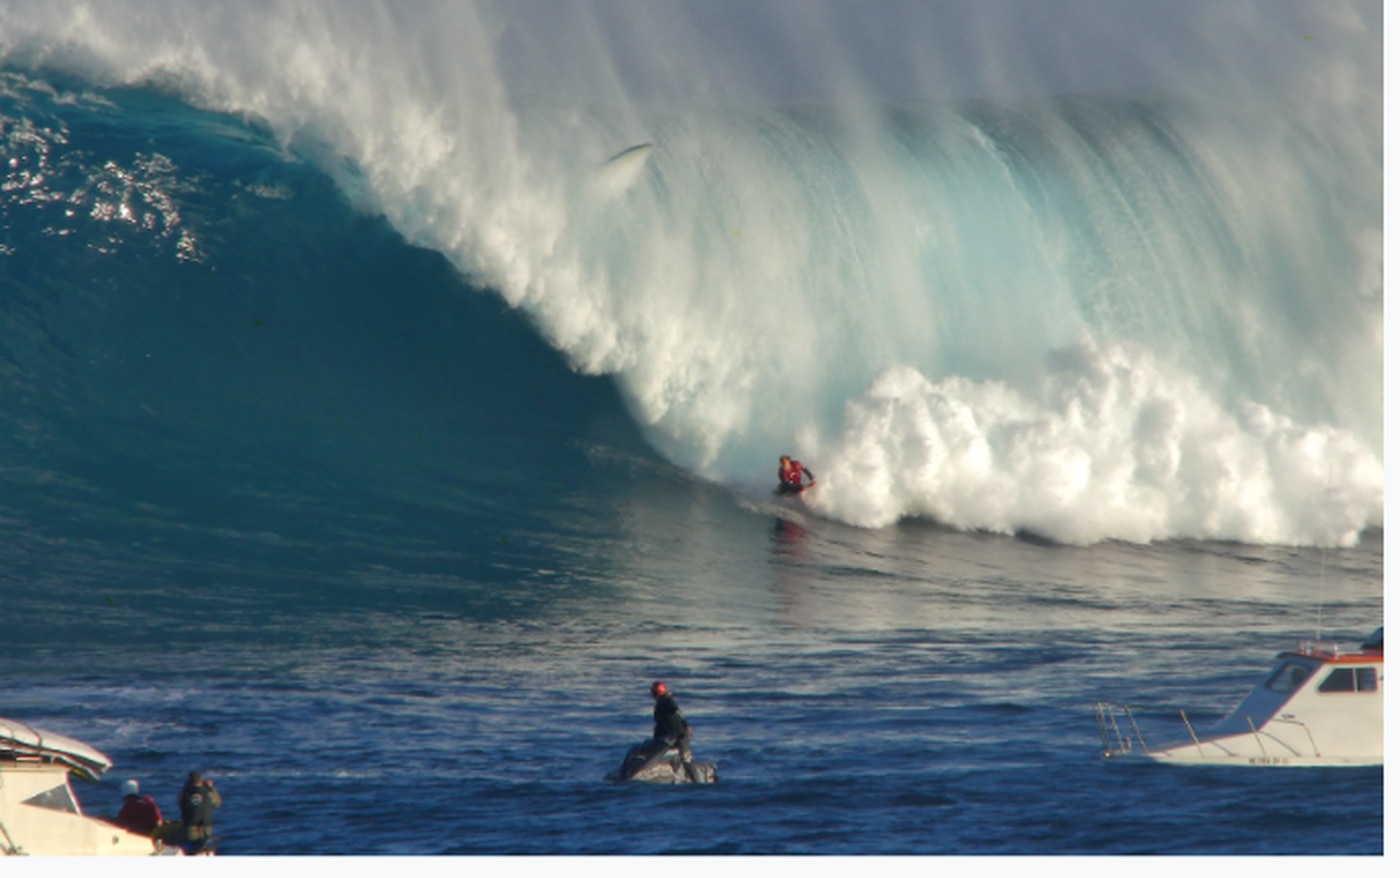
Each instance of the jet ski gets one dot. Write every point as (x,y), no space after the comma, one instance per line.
(654,761)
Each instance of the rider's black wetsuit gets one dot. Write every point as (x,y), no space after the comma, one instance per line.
(672,727)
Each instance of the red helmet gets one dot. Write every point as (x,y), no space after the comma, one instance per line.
(658,688)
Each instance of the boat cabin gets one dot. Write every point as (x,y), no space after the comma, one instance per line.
(39,813)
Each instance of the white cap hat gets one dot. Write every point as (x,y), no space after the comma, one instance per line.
(131,788)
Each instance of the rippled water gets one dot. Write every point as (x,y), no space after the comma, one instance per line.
(907,691)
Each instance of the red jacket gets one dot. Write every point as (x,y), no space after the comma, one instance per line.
(793,476)
(140,814)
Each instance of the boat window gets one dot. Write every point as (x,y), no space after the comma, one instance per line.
(1340,680)
(1350,680)
(1287,678)
(60,798)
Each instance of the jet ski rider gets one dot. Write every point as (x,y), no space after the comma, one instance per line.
(671,726)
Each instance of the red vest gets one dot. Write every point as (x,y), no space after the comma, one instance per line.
(794,474)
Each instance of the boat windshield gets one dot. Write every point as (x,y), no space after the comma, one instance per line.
(1288,677)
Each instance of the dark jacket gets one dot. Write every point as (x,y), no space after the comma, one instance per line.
(670,722)
(197,804)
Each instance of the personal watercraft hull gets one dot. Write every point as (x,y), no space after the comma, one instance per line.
(654,762)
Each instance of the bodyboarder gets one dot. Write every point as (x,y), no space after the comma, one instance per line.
(791,474)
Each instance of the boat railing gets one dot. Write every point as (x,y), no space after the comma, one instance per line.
(1122,735)
(21,744)
(1118,729)
(8,847)
(1259,736)
(1320,649)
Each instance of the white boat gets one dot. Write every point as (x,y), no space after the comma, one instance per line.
(1320,705)
(39,813)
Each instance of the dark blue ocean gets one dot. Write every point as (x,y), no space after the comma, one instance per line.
(370,441)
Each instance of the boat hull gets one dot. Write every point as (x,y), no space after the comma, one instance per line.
(1234,752)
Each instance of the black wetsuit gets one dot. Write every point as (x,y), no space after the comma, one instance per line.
(671,725)
(670,721)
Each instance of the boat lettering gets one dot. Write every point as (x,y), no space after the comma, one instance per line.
(1268,760)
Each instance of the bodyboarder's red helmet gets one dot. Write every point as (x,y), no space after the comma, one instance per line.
(658,689)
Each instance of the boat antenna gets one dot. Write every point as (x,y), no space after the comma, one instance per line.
(1321,582)
(1322,556)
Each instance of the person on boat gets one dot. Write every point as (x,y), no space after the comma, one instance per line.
(670,727)
(198,801)
(791,475)
(140,813)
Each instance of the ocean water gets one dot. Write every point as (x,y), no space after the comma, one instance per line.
(371,437)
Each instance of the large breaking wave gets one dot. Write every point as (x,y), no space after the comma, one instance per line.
(1093,302)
